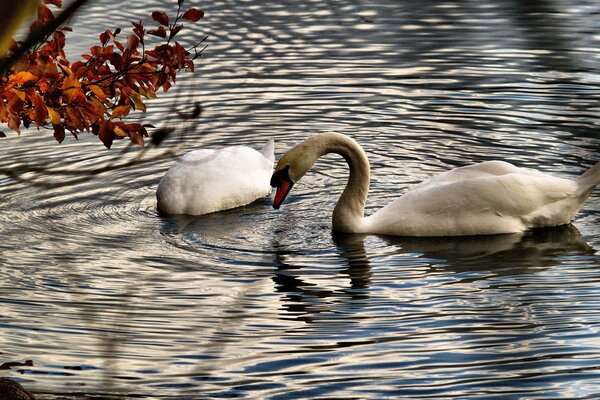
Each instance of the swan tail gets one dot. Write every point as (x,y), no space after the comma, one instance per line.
(268,150)
(589,179)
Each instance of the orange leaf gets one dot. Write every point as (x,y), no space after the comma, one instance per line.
(71,86)
(120,132)
(98,106)
(19,94)
(22,77)
(40,110)
(75,119)
(54,116)
(120,111)
(97,90)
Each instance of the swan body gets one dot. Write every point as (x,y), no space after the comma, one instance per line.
(207,180)
(491,197)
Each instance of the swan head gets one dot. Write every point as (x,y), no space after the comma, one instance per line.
(290,169)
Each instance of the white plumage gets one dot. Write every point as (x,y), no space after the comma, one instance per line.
(207,180)
(488,198)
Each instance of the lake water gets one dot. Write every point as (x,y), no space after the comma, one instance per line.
(107,298)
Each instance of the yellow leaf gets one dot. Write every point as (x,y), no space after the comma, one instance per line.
(22,77)
(139,104)
(54,116)
(120,111)
(120,132)
(20,94)
(71,82)
(97,90)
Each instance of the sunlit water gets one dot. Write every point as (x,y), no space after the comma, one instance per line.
(106,297)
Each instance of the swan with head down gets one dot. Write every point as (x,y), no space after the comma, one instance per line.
(492,197)
(207,180)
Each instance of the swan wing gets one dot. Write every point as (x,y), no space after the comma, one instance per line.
(484,169)
(476,201)
(268,150)
(207,180)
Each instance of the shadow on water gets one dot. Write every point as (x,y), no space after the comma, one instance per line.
(300,295)
(509,254)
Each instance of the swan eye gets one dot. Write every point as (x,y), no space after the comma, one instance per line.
(279,176)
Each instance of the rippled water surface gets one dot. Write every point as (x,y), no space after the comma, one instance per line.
(106,297)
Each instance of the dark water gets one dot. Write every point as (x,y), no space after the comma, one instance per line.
(107,298)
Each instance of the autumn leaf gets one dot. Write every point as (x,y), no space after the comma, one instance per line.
(71,86)
(54,116)
(193,14)
(120,132)
(160,32)
(160,17)
(97,90)
(59,132)
(20,78)
(137,138)
(108,82)
(132,43)
(19,93)
(106,134)
(57,3)
(120,111)
(14,122)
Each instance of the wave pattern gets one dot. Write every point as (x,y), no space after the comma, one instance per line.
(108,298)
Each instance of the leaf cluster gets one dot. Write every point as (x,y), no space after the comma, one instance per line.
(98,92)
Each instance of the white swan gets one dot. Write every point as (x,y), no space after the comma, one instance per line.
(205,181)
(488,198)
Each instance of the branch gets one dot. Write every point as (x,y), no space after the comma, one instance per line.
(36,37)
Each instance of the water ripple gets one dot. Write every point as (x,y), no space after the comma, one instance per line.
(106,297)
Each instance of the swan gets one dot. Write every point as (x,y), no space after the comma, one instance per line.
(492,197)
(207,180)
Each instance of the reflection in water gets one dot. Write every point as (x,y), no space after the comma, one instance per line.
(505,254)
(301,295)
(106,297)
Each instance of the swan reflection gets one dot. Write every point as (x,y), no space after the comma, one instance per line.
(510,254)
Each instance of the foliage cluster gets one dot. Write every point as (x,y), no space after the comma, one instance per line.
(96,93)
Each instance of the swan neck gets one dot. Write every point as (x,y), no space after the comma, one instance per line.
(348,215)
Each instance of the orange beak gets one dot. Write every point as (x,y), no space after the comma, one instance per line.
(283,183)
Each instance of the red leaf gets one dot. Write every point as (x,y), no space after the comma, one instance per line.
(106,134)
(175,31)
(193,14)
(57,3)
(160,17)
(104,38)
(59,132)
(132,43)
(160,32)
(136,138)
(44,13)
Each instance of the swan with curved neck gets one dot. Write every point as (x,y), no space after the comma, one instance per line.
(491,197)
